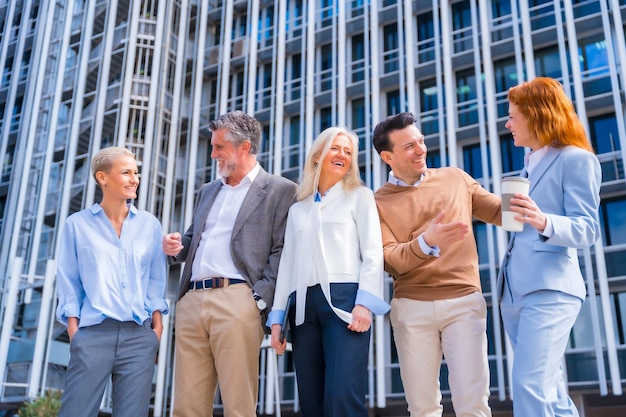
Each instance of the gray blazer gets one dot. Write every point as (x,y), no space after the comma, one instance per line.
(257,240)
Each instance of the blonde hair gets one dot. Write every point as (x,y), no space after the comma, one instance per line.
(319,149)
(103,159)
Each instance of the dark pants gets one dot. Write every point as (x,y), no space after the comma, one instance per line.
(330,360)
(125,351)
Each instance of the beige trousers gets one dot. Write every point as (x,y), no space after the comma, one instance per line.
(218,334)
(424,331)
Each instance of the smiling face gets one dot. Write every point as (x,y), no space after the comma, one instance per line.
(337,162)
(122,180)
(407,157)
(518,125)
(226,154)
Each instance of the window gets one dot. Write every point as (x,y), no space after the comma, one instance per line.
(604,135)
(326,118)
(605,141)
(326,63)
(594,65)
(393,102)
(505,73)
(390,42)
(425,37)
(613,223)
(433,159)
(462,26)
(358,121)
(358,58)
(548,63)
(512,156)
(466,98)
(472,161)
(429,105)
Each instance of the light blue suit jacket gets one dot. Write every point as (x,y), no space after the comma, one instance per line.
(566,187)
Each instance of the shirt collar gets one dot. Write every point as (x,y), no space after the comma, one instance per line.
(97,208)
(532,159)
(398,181)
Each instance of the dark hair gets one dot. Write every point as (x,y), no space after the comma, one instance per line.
(241,128)
(380,137)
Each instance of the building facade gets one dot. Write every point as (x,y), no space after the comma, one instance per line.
(79,75)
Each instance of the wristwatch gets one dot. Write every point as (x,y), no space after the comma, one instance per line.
(260,303)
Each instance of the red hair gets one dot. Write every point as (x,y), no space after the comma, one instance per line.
(551,115)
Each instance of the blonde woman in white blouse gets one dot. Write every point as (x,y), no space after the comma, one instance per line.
(332,259)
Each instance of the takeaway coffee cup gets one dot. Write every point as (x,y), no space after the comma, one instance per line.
(511,186)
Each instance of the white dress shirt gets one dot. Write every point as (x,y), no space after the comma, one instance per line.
(213,257)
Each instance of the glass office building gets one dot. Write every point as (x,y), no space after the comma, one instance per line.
(81,75)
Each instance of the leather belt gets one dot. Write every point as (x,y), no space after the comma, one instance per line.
(213,282)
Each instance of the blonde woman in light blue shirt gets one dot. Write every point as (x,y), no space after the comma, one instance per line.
(111,280)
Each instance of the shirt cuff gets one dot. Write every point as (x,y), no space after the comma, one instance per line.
(275,317)
(159,305)
(371,302)
(431,251)
(549,230)
(65,311)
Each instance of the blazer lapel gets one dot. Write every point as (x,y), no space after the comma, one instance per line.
(255,196)
(543,166)
(204,205)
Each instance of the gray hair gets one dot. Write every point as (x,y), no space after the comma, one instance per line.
(241,128)
(103,159)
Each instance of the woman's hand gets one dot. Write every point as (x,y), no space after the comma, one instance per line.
(528,212)
(72,327)
(361,319)
(275,340)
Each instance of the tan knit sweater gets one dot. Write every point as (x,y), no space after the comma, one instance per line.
(405,213)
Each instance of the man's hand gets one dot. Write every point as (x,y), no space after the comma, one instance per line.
(172,244)
(444,234)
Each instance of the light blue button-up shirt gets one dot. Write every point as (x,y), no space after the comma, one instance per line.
(102,276)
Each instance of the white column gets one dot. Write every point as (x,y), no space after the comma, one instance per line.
(174,128)
(253,56)
(617,63)
(77,109)
(36,385)
(377,172)
(528,54)
(495,157)
(10,304)
(153,138)
(129,72)
(53,117)
(341,69)
(409,62)
(227,23)
(279,91)
(194,126)
(595,322)
(449,87)
(24,148)
(310,76)
(159,391)
(101,93)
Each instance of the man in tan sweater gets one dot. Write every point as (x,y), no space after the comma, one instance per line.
(429,248)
